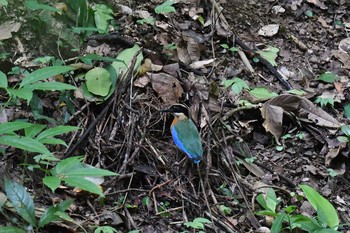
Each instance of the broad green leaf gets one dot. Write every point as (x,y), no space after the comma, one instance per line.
(344,128)
(166,7)
(44,73)
(33,130)
(277,223)
(108,229)
(51,86)
(262,93)
(56,131)
(3,80)
(83,184)
(343,139)
(328,77)
(225,210)
(4,3)
(270,54)
(24,143)
(305,223)
(347,110)
(271,200)
(125,59)
(238,85)
(23,93)
(98,81)
(53,141)
(228,83)
(197,223)
(67,165)
(11,230)
(318,202)
(102,14)
(9,127)
(53,213)
(21,201)
(87,59)
(52,182)
(324,101)
(88,171)
(35,5)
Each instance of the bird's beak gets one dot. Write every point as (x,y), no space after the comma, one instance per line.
(165,110)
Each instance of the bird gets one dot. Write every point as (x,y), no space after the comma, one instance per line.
(185,133)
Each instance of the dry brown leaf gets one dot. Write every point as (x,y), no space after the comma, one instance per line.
(273,116)
(7,28)
(318,3)
(167,87)
(309,110)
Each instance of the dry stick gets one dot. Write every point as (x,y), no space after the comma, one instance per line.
(116,95)
(205,197)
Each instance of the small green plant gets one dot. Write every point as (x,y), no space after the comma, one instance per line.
(34,81)
(35,138)
(105,229)
(165,8)
(232,49)
(346,130)
(197,223)
(23,203)
(326,220)
(236,84)
(324,101)
(149,21)
(328,77)
(163,209)
(74,173)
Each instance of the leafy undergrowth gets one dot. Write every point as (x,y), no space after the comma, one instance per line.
(85,147)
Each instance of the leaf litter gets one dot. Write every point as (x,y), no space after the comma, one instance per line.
(185,63)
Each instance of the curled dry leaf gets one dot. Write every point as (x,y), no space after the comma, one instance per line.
(302,108)
(167,87)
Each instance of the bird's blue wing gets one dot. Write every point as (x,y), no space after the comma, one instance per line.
(186,137)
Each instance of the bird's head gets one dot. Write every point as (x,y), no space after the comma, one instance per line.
(178,110)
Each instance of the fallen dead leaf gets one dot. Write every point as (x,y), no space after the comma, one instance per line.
(269,30)
(7,28)
(167,87)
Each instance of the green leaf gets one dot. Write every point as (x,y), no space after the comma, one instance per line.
(51,86)
(344,128)
(197,223)
(270,54)
(347,110)
(262,93)
(166,7)
(23,93)
(11,230)
(308,13)
(343,139)
(9,127)
(34,5)
(52,182)
(324,101)
(277,223)
(24,143)
(4,3)
(238,85)
(322,206)
(305,223)
(3,80)
(225,210)
(52,213)
(53,141)
(33,130)
(125,58)
(56,131)
(328,77)
(67,165)
(84,184)
(44,73)
(98,81)
(102,14)
(21,201)
(88,171)
(108,229)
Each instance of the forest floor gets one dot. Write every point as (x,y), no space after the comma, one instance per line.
(258,132)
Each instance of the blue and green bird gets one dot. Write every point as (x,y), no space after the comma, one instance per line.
(185,133)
